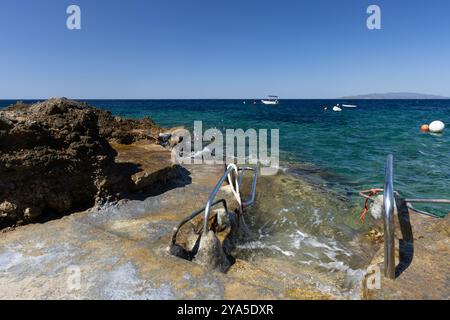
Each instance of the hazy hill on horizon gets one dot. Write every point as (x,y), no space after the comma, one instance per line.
(396,95)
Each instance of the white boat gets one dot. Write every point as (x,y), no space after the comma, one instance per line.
(337,109)
(349,106)
(271,100)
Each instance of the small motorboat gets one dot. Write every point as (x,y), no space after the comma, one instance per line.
(273,100)
(349,106)
(337,109)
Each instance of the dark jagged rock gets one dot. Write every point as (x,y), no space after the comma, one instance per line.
(55,157)
(52,159)
(126,131)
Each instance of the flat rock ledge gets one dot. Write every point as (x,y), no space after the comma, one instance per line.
(422,259)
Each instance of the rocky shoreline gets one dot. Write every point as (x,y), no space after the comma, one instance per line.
(110,197)
(56,157)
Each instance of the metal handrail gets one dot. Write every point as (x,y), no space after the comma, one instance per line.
(445,201)
(251,199)
(389,226)
(388,211)
(192,216)
(211,204)
(216,189)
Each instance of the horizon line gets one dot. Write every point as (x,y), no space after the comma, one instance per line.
(256,99)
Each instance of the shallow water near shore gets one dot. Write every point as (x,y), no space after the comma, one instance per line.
(317,233)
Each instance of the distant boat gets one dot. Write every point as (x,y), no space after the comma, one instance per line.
(273,100)
(338,107)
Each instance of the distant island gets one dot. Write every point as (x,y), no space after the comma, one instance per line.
(396,95)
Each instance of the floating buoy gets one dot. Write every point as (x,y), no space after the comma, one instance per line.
(437,127)
(425,128)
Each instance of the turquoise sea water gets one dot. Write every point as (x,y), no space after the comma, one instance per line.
(347,149)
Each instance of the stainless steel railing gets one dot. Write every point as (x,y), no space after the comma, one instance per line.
(438,201)
(251,199)
(193,215)
(389,201)
(388,214)
(231,169)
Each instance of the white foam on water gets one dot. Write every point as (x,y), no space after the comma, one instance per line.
(302,238)
(195,154)
(317,219)
(353,277)
(285,252)
(260,245)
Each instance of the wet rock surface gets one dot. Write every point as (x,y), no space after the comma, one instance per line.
(121,252)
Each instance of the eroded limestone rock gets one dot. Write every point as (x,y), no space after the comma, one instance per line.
(52,158)
(55,157)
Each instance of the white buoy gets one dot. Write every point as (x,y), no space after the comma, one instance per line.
(437,127)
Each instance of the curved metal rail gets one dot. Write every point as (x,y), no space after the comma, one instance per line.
(231,169)
(240,172)
(192,216)
(251,198)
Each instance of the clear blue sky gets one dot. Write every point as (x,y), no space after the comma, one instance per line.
(222,49)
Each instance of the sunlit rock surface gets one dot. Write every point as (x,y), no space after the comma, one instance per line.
(303,243)
(422,259)
(121,251)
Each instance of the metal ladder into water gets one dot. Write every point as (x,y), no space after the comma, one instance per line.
(389,201)
(232,171)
